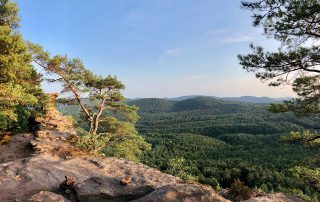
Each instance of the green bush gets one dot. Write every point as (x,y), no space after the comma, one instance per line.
(4,122)
(128,146)
(213,182)
(239,192)
(23,117)
(91,143)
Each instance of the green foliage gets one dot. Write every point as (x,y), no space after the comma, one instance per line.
(124,141)
(20,92)
(212,182)
(311,176)
(218,151)
(132,147)
(4,122)
(256,156)
(304,137)
(294,23)
(178,167)
(286,20)
(215,117)
(91,143)
(22,123)
(104,113)
(9,14)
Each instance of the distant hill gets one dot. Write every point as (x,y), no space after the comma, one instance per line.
(189,97)
(248,99)
(253,99)
(151,105)
(213,117)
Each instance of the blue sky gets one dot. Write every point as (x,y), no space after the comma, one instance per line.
(158,48)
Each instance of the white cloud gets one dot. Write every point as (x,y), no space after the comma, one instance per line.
(209,40)
(173,52)
(169,55)
(229,36)
(236,39)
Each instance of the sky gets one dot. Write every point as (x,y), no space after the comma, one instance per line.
(157,48)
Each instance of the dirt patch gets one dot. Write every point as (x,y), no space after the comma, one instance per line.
(18,147)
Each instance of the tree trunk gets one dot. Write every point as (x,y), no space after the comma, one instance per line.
(94,123)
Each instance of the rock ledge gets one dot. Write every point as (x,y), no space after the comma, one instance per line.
(38,177)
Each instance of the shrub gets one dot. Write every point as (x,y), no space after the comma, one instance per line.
(239,192)
(4,122)
(5,139)
(23,116)
(91,143)
(212,182)
(129,146)
(179,167)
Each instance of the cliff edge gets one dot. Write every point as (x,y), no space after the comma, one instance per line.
(46,167)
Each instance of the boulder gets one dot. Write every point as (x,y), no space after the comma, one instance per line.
(110,188)
(277,197)
(48,197)
(182,193)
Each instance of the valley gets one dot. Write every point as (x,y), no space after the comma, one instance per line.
(217,141)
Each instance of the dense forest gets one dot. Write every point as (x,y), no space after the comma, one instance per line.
(217,141)
(213,141)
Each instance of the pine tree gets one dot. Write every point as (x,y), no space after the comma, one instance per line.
(20,91)
(296,24)
(110,120)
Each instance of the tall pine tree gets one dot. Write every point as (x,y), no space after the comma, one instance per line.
(20,91)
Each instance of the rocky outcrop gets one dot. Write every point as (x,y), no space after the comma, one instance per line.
(277,197)
(48,197)
(56,171)
(38,175)
(181,192)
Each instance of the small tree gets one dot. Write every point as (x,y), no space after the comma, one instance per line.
(296,24)
(103,106)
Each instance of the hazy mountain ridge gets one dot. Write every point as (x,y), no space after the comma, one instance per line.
(194,103)
(248,99)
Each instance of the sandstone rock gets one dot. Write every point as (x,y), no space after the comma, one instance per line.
(126,180)
(182,193)
(105,187)
(277,197)
(18,147)
(46,172)
(48,197)
(42,134)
